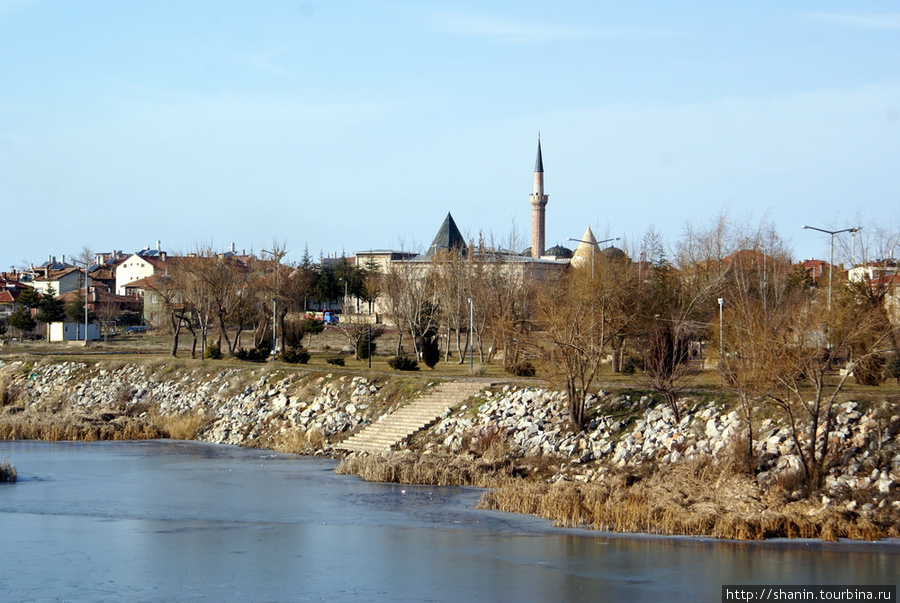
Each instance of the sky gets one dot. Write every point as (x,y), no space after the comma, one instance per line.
(338,126)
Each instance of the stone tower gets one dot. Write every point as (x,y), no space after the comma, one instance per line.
(538,205)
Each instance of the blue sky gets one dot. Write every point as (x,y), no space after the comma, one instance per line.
(345,125)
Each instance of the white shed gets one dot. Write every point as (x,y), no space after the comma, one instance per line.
(73,331)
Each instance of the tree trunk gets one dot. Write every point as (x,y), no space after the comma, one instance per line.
(223,332)
(576,405)
(176,330)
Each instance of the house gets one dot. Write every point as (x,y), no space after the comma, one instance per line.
(815,268)
(60,281)
(871,271)
(892,298)
(10,290)
(139,266)
(157,293)
(105,305)
(103,276)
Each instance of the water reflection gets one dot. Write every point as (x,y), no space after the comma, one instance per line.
(156,521)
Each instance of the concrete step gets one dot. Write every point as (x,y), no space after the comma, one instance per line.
(393,429)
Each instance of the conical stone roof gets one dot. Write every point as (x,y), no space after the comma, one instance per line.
(586,248)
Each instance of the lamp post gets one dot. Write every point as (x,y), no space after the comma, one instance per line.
(85,298)
(274,302)
(471,336)
(721,332)
(597,245)
(831,260)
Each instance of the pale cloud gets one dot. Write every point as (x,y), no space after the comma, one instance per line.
(265,62)
(889,21)
(523,32)
(14,5)
(11,7)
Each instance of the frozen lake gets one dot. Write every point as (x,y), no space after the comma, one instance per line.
(165,521)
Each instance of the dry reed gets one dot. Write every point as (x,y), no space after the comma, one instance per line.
(184,426)
(297,441)
(435,470)
(693,499)
(8,473)
(696,498)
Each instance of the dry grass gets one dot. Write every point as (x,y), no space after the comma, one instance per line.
(697,498)
(90,427)
(8,473)
(70,426)
(9,392)
(297,441)
(184,426)
(434,470)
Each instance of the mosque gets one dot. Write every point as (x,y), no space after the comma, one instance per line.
(538,261)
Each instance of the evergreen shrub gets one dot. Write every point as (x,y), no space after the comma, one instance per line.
(213,351)
(295,355)
(521,369)
(403,363)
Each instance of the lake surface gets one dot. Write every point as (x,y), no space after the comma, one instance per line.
(176,521)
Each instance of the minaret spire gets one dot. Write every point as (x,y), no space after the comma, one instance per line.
(538,205)
(539,162)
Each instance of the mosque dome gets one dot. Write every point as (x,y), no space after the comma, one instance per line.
(560,252)
(613,253)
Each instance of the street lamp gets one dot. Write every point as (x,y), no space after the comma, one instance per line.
(831,260)
(274,302)
(721,332)
(596,244)
(85,298)
(471,336)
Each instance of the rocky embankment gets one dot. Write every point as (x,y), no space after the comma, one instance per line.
(310,413)
(533,423)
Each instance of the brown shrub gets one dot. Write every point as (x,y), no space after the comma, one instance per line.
(435,470)
(697,498)
(184,426)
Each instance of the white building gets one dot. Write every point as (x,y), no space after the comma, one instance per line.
(137,267)
(61,281)
(73,331)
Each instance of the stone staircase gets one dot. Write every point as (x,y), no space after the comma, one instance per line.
(391,430)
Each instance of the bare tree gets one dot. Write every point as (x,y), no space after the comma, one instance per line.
(451,273)
(578,319)
(802,355)
(168,288)
(411,300)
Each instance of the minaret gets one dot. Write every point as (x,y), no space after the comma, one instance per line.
(538,203)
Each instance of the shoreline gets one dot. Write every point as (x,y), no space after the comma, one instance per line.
(512,439)
(887,545)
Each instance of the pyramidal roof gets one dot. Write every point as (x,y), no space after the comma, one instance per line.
(447,237)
